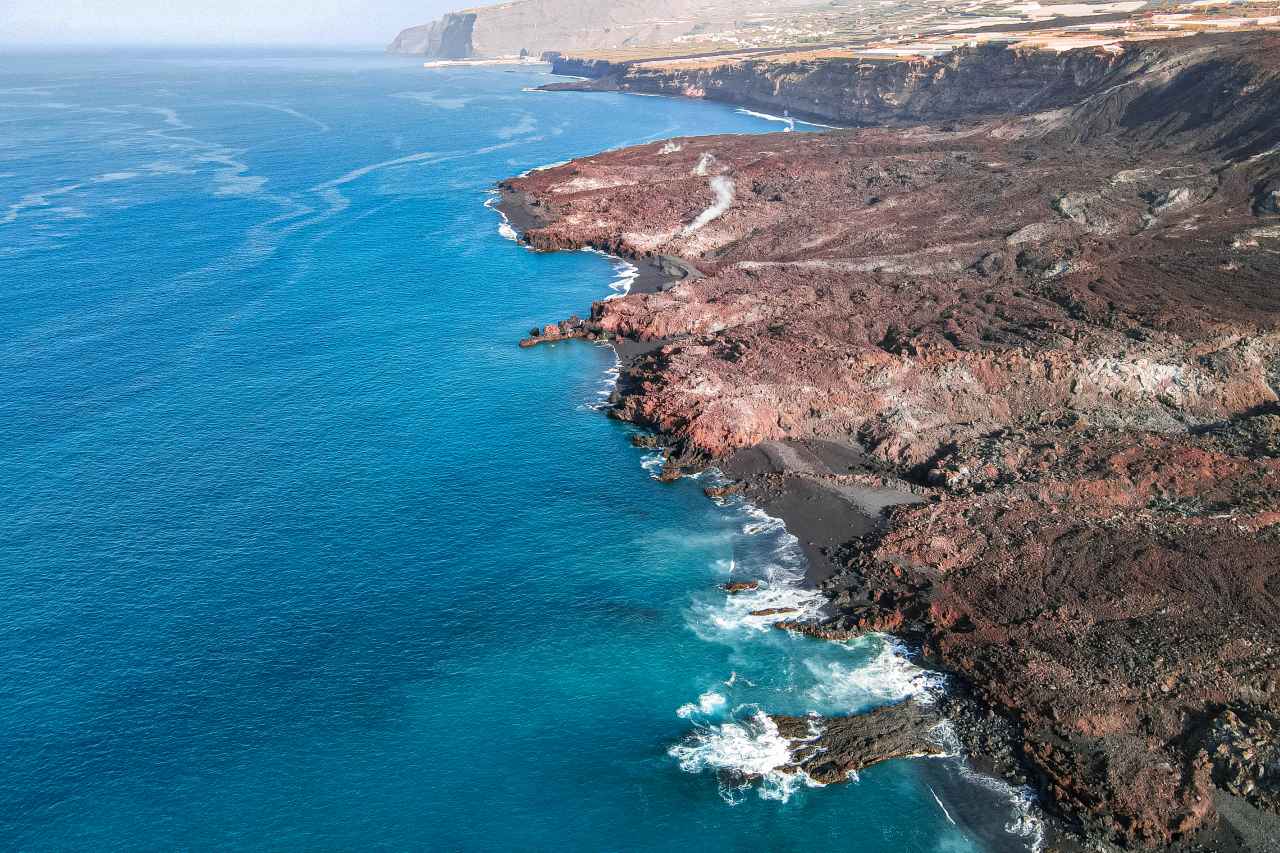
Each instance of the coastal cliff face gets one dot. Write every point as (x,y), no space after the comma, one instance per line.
(969,82)
(1062,331)
(448,38)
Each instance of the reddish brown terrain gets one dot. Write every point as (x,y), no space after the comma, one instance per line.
(1061,332)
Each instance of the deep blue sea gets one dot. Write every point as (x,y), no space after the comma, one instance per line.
(299,551)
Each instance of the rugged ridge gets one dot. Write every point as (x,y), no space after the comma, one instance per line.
(1062,331)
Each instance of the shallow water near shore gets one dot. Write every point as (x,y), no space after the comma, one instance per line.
(302,552)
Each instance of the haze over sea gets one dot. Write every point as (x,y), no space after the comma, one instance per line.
(302,552)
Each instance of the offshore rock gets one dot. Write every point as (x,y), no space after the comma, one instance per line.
(834,749)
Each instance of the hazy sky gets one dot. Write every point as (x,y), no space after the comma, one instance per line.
(209,21)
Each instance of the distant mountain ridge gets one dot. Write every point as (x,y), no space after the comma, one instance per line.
(533,27)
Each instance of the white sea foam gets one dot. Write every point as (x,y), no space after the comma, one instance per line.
(760,522)
(859,683)
(545,167)
(727,620)
(625,274)
(787,120)
(708,703)
(938,800)
(504,227)
(823,678)
(289,111)
(605,391)
(523,126)
(115,177)
(37,200)
(431,99)
(749,746)
(779,566)
(1025,821)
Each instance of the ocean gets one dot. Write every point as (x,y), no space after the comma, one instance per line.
(302,552)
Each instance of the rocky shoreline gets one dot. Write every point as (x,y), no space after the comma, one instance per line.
(1013,384)
(789,481)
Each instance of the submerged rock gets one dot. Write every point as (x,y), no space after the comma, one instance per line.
(775,611)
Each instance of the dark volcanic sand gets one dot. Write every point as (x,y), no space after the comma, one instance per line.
(792,481)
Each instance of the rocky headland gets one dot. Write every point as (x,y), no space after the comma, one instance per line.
(1024,371)
(533,27)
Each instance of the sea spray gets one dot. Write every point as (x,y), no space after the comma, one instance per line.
(708,703)
(877,672)
(745,750)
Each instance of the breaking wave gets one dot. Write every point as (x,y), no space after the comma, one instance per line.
(743,752)
(504,227)
(708,703)
(880,674)
(789,121)
(1025,820)
(775,669)
(625,273)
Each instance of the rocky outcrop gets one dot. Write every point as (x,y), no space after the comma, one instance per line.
(1063,329)
(833,749)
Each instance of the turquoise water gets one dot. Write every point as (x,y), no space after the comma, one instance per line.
(302,552)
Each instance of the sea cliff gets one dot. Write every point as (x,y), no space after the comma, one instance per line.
(859,91)
(1056,326)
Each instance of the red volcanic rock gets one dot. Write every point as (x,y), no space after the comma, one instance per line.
(1106,590)
(740,586)
(917,287)
(563,331)
(1067,325)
